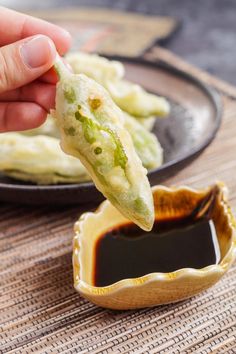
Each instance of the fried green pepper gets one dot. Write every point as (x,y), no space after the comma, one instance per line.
(130,97)
(146,144)
(95,66)
(134,100)
(92,130)
(38,159)
(147,122)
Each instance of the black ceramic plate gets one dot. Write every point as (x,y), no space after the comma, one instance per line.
(193,122)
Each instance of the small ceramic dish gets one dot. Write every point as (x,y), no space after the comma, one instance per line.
(155,288)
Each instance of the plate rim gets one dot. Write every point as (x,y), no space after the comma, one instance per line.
(209,91)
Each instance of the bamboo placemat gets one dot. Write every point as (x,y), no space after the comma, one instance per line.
(41,313)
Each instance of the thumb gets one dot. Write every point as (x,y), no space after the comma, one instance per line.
(25,61)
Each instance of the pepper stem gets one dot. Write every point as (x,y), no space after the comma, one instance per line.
(60,67)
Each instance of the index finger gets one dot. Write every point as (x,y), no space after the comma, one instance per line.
(16,26)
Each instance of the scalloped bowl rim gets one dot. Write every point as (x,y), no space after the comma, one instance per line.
(220,268)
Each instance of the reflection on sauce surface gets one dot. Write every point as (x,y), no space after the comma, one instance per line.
(129,252)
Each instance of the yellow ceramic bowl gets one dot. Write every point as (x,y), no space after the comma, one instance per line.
(155,288)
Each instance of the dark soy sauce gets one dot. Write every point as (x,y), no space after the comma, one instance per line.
(129,252)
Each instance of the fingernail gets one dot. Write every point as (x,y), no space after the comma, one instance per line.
(38,51)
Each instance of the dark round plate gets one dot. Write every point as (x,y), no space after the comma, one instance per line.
(193,122)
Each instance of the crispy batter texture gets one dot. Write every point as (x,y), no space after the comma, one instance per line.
(38,159)
(96,67)
(146,144)
(130,97)
(92,130)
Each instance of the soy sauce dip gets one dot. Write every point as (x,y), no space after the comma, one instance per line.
(129,252)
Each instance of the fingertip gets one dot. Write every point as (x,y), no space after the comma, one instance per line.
(43,94)
(64,42)
(38,52)
(50,77)
(31,116)
(18,116)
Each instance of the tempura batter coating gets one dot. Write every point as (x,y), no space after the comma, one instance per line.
(38,159)
(92,129)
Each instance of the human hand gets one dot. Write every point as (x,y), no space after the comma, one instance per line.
(28,48)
